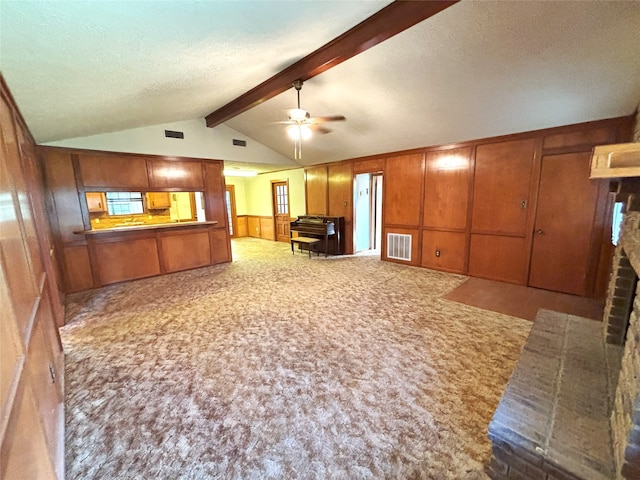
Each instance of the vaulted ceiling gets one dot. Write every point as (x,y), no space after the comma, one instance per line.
(474,70)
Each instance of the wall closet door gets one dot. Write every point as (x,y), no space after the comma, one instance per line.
(502,189)
(567,201)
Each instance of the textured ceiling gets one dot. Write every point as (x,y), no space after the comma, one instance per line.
(476,69)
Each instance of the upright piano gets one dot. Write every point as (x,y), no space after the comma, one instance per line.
(329,230)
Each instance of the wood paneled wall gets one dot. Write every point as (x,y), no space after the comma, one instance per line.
(472,207)
(260,227)
(32,361)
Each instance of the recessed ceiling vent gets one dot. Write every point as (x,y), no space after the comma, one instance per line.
(239,143)
(399,246)
(173,134)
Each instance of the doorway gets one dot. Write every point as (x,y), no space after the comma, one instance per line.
(367,211)
(281,219)
(232,218)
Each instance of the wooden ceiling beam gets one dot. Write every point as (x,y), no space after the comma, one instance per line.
(391,20)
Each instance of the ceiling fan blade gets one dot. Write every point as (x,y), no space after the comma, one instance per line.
(328,118)
(319,128)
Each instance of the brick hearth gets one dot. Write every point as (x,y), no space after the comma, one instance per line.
(553,419)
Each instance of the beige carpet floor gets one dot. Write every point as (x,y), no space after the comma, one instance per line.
(278,366)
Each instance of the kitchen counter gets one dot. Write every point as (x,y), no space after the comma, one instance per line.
(137,228)
(136,251)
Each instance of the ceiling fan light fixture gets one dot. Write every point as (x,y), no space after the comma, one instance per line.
(298,114)
(299,132)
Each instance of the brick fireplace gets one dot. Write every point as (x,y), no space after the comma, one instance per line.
(622,327)
(571,410)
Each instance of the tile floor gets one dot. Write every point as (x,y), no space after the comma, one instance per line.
(522,302)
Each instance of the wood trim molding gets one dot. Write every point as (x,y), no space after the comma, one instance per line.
(382,25)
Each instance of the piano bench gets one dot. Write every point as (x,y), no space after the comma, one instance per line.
(308,241)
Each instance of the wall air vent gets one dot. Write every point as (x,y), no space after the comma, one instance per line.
(399,246)
(173,134)
(239,143)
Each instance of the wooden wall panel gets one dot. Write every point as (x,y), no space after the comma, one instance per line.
(371,165)
(25,454)
(49,396)
(11,352)
(498,258)
(587,138)
(316,183)
(502,187)
(13,256)
(348,239)
(446,191)
(215,193)
(444,251)
(175,174)
(340,190)
(220,247)
(14,166)
(185,250)
(402,189)
(31,404)
(267,228)
(61,183)
(78,274)
(254,226)
(125,260)
(243,226)
(113,171)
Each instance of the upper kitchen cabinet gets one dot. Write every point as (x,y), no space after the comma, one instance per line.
(158,200)
(96,202)
(113,171)
(184,175)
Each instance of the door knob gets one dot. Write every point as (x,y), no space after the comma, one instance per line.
(540,232)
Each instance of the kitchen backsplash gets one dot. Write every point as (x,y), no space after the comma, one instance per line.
(100,221)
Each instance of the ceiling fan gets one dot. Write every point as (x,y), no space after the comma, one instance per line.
(301,124)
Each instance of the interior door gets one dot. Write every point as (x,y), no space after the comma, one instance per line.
(564,221)
(230,198)
(280,190)
(362,204)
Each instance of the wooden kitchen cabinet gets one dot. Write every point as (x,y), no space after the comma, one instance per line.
(96,202)
(186,175)
(113,171)
(158,200)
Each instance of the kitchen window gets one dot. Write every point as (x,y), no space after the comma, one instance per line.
(124,203)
